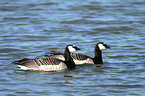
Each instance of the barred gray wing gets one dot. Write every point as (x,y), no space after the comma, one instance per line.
(49,61)
(36,63)
(79,56)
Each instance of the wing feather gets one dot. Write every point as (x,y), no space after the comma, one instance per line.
(36,63)
(79,56)
(61,57)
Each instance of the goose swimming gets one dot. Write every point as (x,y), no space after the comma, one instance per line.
(79,58)
(49,63)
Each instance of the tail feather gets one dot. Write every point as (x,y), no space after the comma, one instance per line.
(36,63)
(28,63)
(61,57)
(21,62)
(55,52)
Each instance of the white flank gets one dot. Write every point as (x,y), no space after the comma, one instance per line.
(101,46)
(26,68)
(71,49)
(59,67)
(79,62)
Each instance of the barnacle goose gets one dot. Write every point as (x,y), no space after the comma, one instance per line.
(81,58)
(49,63)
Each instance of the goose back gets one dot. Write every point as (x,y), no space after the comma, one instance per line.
(42,64)
(49,63)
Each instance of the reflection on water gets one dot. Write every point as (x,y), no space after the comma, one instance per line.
(29,29)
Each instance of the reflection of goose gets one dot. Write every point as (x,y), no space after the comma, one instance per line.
(81,58)
(49,63)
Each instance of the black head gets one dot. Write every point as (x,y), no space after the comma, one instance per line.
(102,45)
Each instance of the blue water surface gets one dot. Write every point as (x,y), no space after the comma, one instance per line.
(32,28)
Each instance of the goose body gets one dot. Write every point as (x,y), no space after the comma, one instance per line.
(49,63)
(79,58)
(42,64)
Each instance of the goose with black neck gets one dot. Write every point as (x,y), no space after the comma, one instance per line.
(79,58)
(49,63)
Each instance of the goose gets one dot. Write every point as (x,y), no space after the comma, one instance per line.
(49,63)
(79,58)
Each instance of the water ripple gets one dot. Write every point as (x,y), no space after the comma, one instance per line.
(29,29)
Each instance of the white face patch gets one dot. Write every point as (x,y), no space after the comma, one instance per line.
(101,46)
(71,49)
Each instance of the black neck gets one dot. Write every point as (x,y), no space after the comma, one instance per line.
(68,59)
(98,56)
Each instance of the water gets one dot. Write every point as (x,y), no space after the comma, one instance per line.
(31,28)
